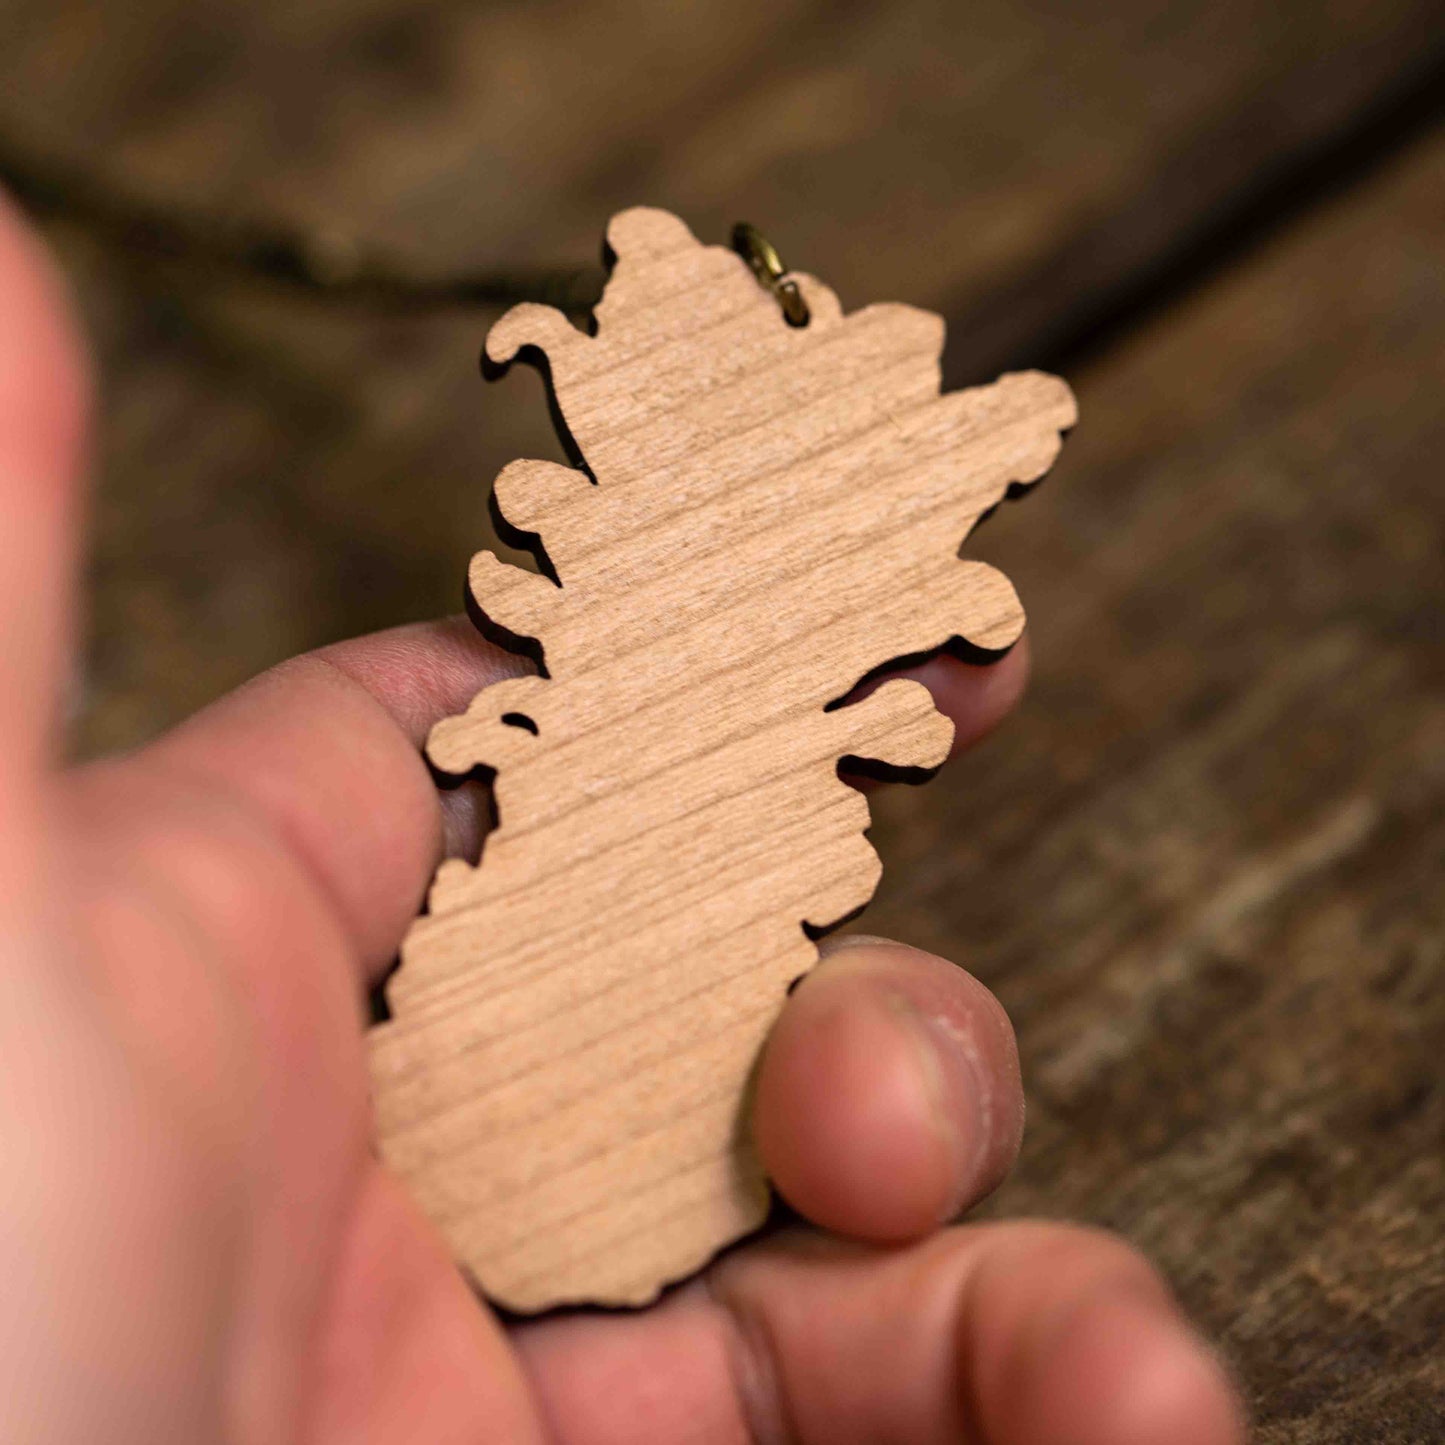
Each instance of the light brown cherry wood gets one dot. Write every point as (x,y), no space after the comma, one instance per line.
(767,516)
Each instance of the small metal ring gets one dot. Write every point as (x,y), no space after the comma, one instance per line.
(765,263)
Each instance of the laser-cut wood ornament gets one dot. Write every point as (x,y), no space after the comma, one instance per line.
(768,514)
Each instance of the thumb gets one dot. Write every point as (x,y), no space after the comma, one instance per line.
(44,395)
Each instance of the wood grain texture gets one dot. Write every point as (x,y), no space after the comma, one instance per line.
(769,515)
(1203,865)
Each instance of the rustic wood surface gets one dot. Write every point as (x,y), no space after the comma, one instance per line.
(1201,867)
(279,471)
(995,160)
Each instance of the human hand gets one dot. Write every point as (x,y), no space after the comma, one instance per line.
(196,1241)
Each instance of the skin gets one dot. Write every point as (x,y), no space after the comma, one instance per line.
(195,1238)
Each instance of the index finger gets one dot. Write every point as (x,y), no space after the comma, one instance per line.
(327,748)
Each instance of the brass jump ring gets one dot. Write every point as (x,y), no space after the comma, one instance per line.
(765,263)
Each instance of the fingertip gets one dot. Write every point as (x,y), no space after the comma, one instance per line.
(1067,1334)
(888,1098)
(977,696)
(424,671)
(1127,1370)
(845,1118)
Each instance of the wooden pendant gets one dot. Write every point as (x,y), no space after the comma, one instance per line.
(761,516)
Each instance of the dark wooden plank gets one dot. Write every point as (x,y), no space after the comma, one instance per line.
(276,473)
(1203,867)
(938,152)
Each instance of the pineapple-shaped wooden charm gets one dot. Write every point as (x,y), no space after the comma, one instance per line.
(761,516)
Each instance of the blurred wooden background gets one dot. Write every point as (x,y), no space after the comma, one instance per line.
(1203,866)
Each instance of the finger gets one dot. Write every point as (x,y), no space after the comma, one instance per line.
(325,750)
(888,1098)
(976,696)
(1005,1333)
(242,834)
(1009,1334)
(43,415)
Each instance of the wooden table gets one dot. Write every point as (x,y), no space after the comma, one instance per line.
(1203,866)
